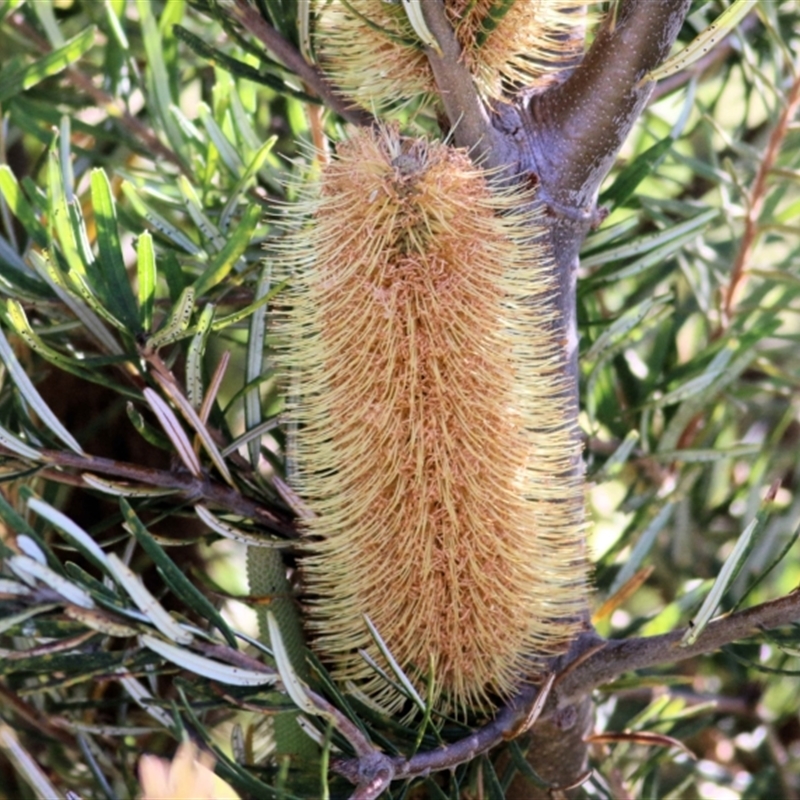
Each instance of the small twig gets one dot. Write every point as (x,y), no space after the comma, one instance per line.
(290,57)
(465,110)
(230,656)
(755,203)
(351,732)
(626,655)
(190,487)
(40,721)
(58,646)
(372,766)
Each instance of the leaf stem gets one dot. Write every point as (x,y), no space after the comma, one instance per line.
(291,57)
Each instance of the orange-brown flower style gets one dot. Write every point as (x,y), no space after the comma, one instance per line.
(433,439)
(371,51)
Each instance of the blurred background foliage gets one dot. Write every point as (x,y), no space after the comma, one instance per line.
(144,148)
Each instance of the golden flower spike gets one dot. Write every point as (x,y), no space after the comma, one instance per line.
(427,386)
(374,50)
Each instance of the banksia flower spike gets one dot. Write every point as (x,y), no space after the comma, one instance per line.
(433,447)
(372,52)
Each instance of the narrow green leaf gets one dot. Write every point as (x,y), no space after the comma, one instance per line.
(96,588)
(492,785)
(618,458)
(237,243)
(22,616)
(401,676)
(20,207)
(122,303)
(198,215)
(629,179)
(622,326)
(766,571)
(242,121)
(47,19)
(701,44)
(31,571)
(16,445)
(255,365)
(730,569)
(76,283)
(696,385)
(74,533)
(16,80)
(521,763)
(116,28)
(256,163)
(237,534)
(640,245)
(642,547)
(239,68)
(158,74)
(230,157)
(176,324)
(253,433)
(146,603)
(146,278)
(83,369)
(58,283)
(295,687)
(22,328)
(175,577)
(146,431)
(194,358)
(33,398)
(18,524)
(160,223)
(207,667)
(220,323)
(60,218)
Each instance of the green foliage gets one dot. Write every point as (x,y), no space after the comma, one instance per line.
(144,149)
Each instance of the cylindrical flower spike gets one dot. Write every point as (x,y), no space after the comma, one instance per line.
(434,444)
(373,54)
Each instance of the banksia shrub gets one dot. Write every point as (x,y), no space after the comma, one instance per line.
(374,55)
(434,446)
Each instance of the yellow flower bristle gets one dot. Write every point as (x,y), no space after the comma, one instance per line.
(373,55)
(433,445)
